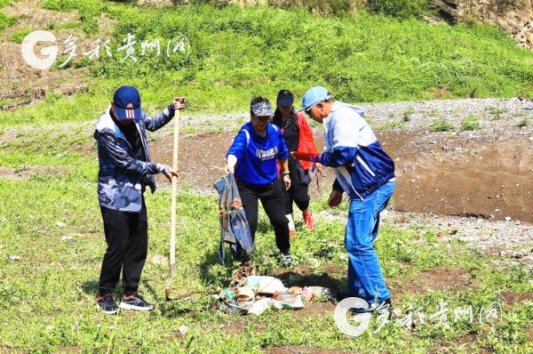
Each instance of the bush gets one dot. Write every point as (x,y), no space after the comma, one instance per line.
(400,8)
(441,126)
(89,11)
(470,123)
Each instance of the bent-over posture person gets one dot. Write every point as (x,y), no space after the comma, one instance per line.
(252,158)
(365,172)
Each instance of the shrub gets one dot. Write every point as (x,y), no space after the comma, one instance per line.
(89,11)
(441,126)
(523,123)
(470,123)
(400,8)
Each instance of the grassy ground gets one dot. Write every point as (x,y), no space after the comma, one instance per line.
(51,221)
(237,54)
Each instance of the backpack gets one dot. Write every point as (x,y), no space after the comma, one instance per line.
(235,229)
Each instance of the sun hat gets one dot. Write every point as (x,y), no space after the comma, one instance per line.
(262,109)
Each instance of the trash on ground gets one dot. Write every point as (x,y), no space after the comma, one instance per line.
(265,284)
(312,292)
(257,294)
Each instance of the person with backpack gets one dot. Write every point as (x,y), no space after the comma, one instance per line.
(125,171)
(252,157)
(365,172)
(298,137)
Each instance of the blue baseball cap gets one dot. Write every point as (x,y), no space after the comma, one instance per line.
(124,96)
(315,95)
(285,98)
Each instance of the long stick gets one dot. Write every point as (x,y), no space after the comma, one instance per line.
(172,255)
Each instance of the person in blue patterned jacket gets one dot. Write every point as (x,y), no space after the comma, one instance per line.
(125,171)
(365,172)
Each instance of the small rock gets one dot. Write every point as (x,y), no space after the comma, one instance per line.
(183,330)
(66,238)
(507,218)
(60,224)
(13,258)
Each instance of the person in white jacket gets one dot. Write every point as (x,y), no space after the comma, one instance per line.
(365,172)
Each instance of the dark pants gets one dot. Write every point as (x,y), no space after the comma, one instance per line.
(272,200)
(298,193)
(126,235)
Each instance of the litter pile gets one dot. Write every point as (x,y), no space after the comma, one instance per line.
(257,294)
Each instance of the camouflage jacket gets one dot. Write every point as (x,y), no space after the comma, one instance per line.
(121,177)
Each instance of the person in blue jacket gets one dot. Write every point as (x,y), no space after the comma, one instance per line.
(365,172)
(126,170)
(252,158)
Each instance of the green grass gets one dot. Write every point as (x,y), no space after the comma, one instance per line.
(6,21)
(52,222)
(18,36)
(470,123)
(442,125)
(51,219)
(236,54)
(89,11)
(4,3)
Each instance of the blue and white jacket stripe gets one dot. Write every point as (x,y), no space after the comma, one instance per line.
(351,148)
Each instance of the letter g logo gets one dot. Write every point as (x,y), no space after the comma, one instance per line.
(360,321)
(28,47)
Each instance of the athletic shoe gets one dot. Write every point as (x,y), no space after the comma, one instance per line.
(308,219)
(380,308)
(107,304)
(135,302)
(287,259)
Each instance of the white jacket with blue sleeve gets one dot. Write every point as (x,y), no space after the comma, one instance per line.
(351,148)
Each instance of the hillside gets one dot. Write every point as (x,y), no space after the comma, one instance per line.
(235,54)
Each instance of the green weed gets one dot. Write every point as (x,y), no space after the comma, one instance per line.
(6,21)
(470,123)
(442,125)
(523,123)
(18,36)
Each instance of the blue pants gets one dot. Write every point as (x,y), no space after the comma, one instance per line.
(365,279)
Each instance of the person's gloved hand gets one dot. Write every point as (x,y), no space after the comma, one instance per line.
(178,102)
(335,198)
(167,171)
(306,156)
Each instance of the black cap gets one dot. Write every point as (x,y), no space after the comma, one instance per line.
(285,98)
